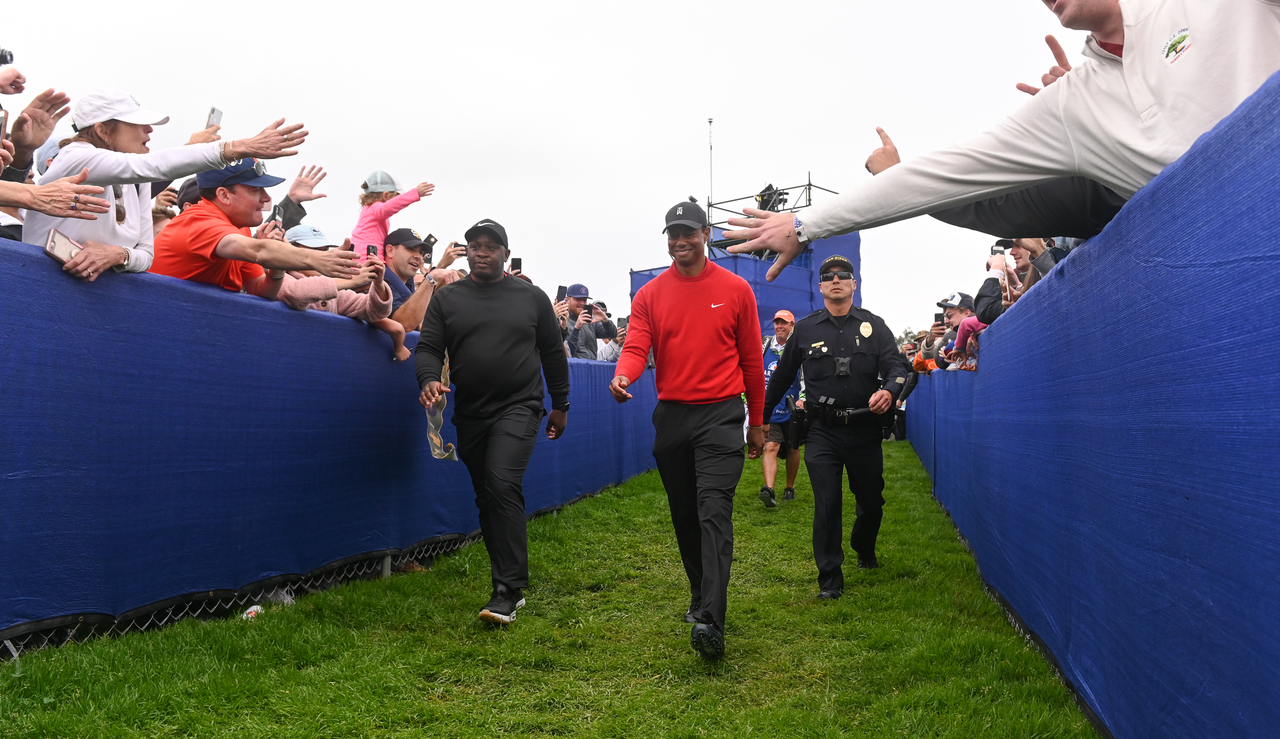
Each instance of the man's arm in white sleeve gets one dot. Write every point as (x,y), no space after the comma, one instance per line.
(1028,147)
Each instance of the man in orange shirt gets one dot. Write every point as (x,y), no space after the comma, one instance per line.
(210,240)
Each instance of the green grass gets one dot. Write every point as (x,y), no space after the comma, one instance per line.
(913,649)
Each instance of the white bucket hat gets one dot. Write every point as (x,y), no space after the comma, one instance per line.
(112,104)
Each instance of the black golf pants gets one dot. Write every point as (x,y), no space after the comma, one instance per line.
(699,454)
(496,453)
(829,452)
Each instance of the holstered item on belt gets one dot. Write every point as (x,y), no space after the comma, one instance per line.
(838,416)
(799,427)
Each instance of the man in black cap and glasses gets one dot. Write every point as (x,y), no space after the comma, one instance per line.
(853,373)
(501,335)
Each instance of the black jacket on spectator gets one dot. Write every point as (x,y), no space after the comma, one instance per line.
(292,213)
(988,304)
(501,337)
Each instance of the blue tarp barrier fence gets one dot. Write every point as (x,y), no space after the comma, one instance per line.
(1113,462)
(161,439)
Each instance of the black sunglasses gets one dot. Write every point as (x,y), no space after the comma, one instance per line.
(829,276)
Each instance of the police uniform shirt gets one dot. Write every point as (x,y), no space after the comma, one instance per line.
(843,357)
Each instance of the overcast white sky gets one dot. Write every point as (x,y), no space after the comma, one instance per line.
(575,125)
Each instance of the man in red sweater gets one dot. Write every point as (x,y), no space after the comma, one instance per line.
(701,322)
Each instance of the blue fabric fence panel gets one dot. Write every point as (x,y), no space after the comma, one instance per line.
(1113,463)
(161,438)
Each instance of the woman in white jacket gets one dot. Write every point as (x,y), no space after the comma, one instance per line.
(112,131)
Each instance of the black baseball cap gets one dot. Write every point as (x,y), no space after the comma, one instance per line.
(188,193)
(688,214)
(835,261)
(406,237)
(492,226)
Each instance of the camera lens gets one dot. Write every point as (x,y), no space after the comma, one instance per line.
(6,56)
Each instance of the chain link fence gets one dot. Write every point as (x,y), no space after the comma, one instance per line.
(217,604)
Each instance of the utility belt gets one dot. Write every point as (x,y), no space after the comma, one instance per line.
(826,411)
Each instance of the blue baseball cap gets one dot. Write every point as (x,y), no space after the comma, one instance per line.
(578,291)
(251,172)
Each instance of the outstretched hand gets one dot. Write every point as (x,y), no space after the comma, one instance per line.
(12,81)
(767,230)
(69,197)
(884,157)
(303,189)
(276,140)
(35,125)
(1055,73)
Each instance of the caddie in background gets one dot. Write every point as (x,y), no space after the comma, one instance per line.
(778,444)
(845,351)
(501,335)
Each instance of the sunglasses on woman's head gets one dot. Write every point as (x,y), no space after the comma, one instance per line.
(118,191)
(829,276)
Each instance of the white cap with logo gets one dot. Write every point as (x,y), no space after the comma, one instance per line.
(113,104)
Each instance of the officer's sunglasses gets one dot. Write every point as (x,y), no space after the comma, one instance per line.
(829,276)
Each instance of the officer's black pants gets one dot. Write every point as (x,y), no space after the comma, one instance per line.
(699,454)
(829,452)
(1068,206)
(496,453)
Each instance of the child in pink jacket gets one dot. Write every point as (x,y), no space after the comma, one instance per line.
(302,291)
(380,200)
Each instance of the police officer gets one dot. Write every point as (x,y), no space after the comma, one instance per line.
(845,351)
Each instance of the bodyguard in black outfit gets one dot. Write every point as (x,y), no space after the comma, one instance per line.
(501,335)
(853,373)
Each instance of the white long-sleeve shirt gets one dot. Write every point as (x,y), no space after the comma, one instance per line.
(1187,64)
(134,173)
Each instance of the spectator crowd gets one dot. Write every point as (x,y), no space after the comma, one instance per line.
(101,200)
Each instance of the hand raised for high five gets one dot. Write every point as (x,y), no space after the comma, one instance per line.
(303,189)
(276,140)
(1055,73)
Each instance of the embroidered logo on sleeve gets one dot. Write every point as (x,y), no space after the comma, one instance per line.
(1176,46)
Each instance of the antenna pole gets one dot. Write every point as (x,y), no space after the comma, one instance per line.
(711,173)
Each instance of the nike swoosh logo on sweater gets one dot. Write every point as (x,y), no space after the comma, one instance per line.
(716,305)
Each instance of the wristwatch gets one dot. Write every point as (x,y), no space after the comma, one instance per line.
(799,226)
(276,274)
(563,407)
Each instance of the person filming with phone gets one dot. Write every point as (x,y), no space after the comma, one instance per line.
(586,324)
(112,132)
